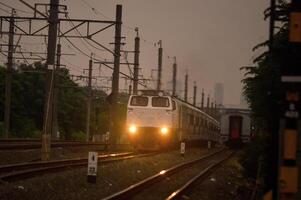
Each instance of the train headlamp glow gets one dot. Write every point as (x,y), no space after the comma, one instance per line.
(133,129)
(164,130)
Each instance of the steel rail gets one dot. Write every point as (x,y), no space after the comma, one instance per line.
(179,193)
(14,145)
(26,165)
(128,192)
(27,173)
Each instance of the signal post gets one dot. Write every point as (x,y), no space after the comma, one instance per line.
(289,179)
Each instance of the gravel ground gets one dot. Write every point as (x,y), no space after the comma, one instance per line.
(166,187)
(19,156)
(72,184)
(225,183)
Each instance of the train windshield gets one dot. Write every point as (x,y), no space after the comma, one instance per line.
(139,101)
(160,102)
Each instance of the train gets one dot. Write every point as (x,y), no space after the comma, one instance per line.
(156,121)
(236,127)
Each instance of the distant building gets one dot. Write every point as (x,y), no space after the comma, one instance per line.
(219,94)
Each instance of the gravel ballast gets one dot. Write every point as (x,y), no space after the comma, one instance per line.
(72,184)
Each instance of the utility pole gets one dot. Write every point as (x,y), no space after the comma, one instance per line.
(136,62)
(289,168)
(272,24)
(208,104)
(56,93)
(89,100)
(194,93)
(130,89)
(186,88)
(160,53)
(8,77)
(115,80)
(202,101)
(51,49)
(174,77)
(215,110)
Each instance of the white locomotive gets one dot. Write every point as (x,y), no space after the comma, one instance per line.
(155,120)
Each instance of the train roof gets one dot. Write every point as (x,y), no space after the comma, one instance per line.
(162,93)
(194,108)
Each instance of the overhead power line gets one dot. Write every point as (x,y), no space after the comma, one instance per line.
(8,6)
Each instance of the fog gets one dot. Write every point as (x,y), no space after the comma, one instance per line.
(211,39)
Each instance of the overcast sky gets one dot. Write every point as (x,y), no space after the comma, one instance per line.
(211,39)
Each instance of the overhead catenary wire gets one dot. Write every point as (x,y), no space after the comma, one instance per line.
(8,6)
(5,10)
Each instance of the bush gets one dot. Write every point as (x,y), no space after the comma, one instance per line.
(1,129)
(251,155)
(79,136)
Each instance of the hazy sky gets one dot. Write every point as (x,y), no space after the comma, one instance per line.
(211,39)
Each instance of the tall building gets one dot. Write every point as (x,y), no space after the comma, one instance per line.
(219,94)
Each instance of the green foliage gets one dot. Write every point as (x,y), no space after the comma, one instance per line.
(1,129)
(27,105)
(78,136)
(264,92)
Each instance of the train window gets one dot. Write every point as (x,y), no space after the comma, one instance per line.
(160,102)
(139,101)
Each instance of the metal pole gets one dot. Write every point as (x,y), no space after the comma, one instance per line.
(194,93)
(208,104)
(56,93)
(136,62)
(115,80)
(160,52)
(51,49)
(186,88)
(8,77)
(202,101)
(89,100)
(174,78)
(272,24)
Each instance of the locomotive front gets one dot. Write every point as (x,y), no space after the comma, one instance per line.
(149,121)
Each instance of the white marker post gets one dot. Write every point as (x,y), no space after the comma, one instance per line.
(182,148)
(92,167)
(209,144)
(107,138)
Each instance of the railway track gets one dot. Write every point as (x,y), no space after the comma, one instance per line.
(20,144)
(25,170)
(211,160)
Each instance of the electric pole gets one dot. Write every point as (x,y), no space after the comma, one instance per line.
(56,93)
(160,52)
(202,101)
(272,23)
(289,179)
(89,100)
(136,62)
(115,80)
(194,93)
(8,77)
(174,77)
(50,62)
(208,104)
(186,88)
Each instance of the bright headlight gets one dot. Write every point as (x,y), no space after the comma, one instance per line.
(164,130)
(133,129)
